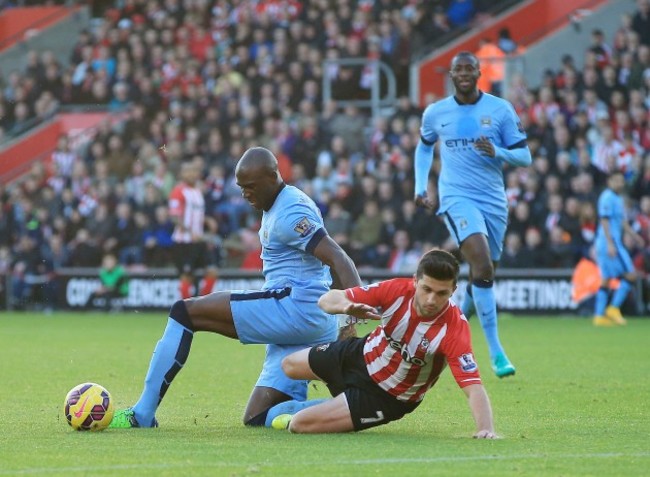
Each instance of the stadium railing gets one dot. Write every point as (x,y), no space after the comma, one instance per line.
(376,69)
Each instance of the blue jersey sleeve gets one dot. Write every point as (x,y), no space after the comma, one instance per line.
(301,227)
(427,129)
(512,132)
(605,205)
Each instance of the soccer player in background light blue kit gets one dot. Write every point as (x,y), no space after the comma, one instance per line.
(611,256)
(298,254)
(477,133)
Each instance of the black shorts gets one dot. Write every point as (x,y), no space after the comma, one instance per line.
(341,366)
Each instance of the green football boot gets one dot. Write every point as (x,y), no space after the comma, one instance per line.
(281,422)
(125,419)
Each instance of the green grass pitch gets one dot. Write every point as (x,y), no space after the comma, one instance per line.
(579,405)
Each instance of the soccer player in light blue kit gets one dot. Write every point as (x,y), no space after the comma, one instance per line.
(611,256)
(297,254)
(477,133)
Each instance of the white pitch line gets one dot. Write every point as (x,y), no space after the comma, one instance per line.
(46,470)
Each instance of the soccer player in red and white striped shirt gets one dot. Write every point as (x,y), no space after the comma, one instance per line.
(187,206)
(385,375)
(187,210)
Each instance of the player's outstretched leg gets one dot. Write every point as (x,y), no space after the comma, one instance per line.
(168,358)
(486,309)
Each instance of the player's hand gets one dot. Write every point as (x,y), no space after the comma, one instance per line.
(421,200)
(484,146)
(361,311)
(484,434)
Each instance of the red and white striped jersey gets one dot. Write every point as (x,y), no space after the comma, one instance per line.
(186,203)
(63,163)
(406,354)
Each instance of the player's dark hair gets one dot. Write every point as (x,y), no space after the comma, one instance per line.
(438,264)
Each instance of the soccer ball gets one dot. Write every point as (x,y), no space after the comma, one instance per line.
(88,407)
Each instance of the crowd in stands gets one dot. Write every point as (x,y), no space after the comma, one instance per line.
(204,80)
(208,34)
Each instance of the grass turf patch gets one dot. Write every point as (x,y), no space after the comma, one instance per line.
(577,406)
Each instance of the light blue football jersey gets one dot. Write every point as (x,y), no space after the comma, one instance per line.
(290,230)
(465,173)
(612,207)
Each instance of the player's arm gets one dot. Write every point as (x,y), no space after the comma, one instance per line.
(513,135)
(627,228)
(344,272)
(479,403)
(424,158)
(337,302)
(611,246)
(423,161)
(176,207)
(460,358)
(302,228)
(331,254)
(516,155)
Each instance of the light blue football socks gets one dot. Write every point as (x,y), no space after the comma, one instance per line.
(486,309)
(467,307)
(601,301)
(621,293)
(168,358)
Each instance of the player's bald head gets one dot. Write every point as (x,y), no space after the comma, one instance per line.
(465,57)
(258,177)
(258,160)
